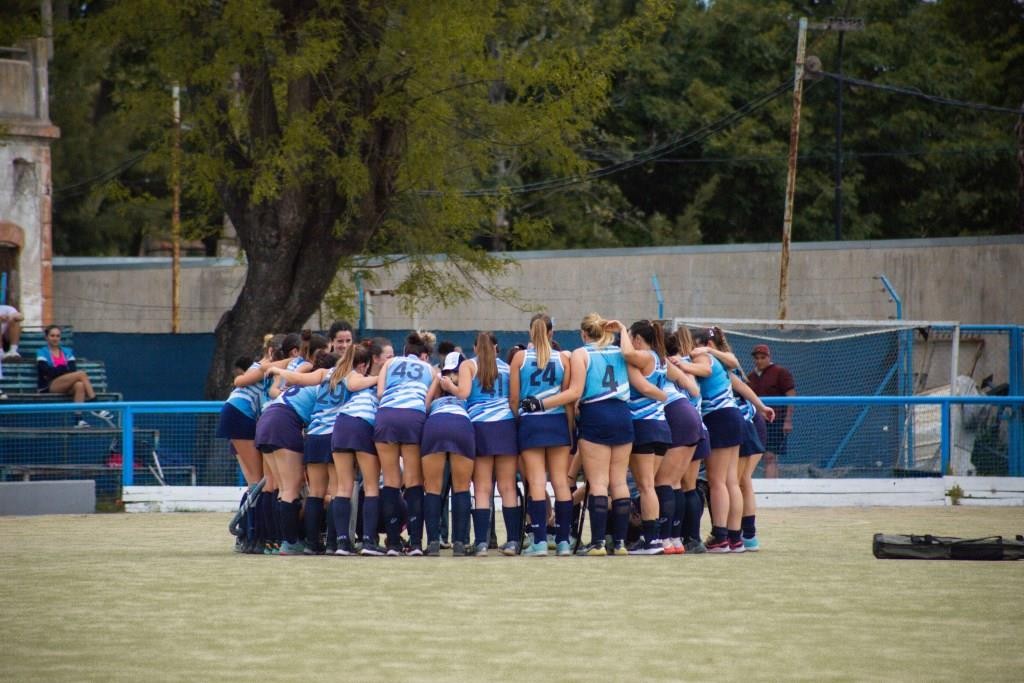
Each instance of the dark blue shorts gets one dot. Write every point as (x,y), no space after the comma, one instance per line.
(399,425)
(352,434)
(544,431)
(726,427)
(684,421)
(651,436)
(752,444)
(279,427)
(496,438)
(606,422)
(234,424)
(703,446)
(317,450)
(448,433)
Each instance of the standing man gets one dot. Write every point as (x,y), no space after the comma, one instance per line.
(769,379)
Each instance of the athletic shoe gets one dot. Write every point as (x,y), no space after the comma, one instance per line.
(414,551)
(563,549)
(551,542)
(752,545)
(345,548)
(643,547)
(592,550)
(677,546)
(479,550)
(718,545)
(103,414)
(11,354)
(372,549)
(445,545)
(694,546)
(737,546)
(433,549)
(536,550)
(459,549)
(394,551)
(619,548)
(310,550)
(297,548)
(82,424)
(512,548)
(239,544)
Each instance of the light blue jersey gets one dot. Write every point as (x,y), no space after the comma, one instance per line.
(300,399)
(328,405)
(362,403)
(745,406)
(642,407)
(406,384)
(695,401)
(490,406)
(248,399)
(449,405)
(607,377)
(541,382)
(716,389)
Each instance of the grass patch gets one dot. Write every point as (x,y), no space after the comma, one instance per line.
(150,596)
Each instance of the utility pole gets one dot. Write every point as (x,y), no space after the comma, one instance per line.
(794,144)
(176,214)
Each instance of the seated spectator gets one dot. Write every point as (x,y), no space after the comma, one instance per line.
(57,373)
(10,331)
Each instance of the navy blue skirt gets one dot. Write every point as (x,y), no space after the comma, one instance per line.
(606,422)
(544,431)
(399,425)
(684,421)
(448,433)
(317,450)
(496,438)
(234,424)
(352,434)
(752,443)
(726,427)
(279,427)
(703,446)
(651,436)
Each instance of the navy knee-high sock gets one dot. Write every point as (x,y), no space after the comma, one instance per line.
(481,525)
(332,532)
(620,518)
(341,512)
(264,511)
(414,507)
(289,520)
(598,518)
(313,518)
(539,520)
(513,518)
(280,521)
(749,527)
(563,520)
(680,512)
(460,516)
(694,510)
(390,504)
(432,516)
(666,510)
(371,518)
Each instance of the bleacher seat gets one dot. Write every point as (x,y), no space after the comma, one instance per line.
(19,377)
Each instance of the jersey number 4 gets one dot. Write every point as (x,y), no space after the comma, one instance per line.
(609,381)
(413,371)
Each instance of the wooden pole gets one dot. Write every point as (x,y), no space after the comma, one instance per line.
(794,144)
(176,215)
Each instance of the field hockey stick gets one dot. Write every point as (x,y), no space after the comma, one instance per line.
(250,500)
(583,516)
(521,502)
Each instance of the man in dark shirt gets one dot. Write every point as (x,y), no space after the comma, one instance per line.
(769,379)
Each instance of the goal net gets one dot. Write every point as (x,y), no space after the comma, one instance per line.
(829,358)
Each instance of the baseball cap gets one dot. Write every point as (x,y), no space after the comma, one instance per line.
(761,348)
(452,361)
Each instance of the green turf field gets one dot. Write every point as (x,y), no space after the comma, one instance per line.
(151,596)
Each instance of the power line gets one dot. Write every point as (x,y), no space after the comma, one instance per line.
(914,92)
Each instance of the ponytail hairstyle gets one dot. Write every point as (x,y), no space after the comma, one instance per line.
(355,355)
(593,326)
(290,343)
(429,339)
(317,346)
(685,340)
(652,334)
(672,345)
(305,337)
(486,347)
(274,344)
(416,346)
(721,343)
(540,337)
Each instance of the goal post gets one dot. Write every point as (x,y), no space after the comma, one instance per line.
(850,358)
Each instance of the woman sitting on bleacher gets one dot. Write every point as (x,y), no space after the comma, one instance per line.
(59,375)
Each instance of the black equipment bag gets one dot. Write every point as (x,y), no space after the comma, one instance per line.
(928,547)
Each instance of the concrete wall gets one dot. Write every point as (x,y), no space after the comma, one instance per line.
(973,280)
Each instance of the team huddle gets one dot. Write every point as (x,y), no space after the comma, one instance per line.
(631,406)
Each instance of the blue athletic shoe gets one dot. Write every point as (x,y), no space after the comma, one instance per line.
(297,548)
(563,549)
(536,550)
(752,545)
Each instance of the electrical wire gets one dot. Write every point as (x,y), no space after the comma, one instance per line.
(914,92)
